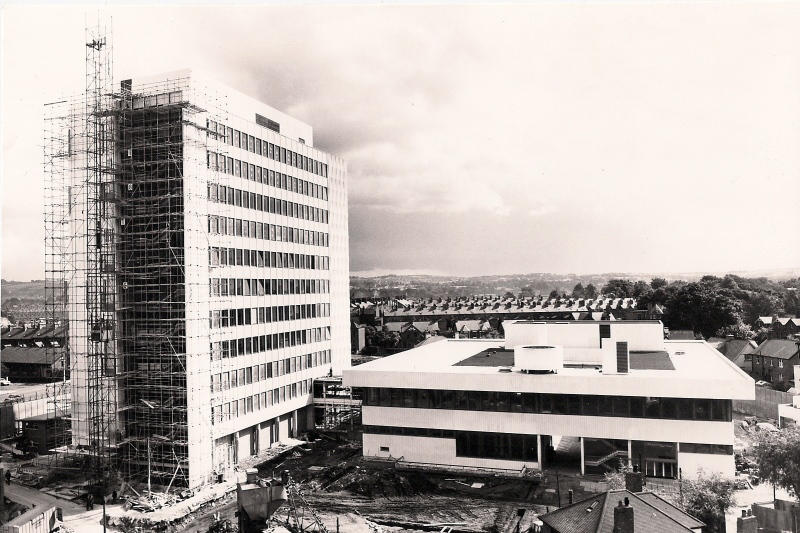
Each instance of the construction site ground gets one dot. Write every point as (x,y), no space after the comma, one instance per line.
(346,490)
(367,495)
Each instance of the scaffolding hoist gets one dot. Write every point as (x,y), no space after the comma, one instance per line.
(117,219)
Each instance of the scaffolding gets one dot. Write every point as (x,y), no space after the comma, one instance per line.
(78,162)
(121,225)
(337,407)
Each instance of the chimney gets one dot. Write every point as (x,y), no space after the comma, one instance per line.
(623,517)
(571,497)
(747,523)
(252,475)
(634,481)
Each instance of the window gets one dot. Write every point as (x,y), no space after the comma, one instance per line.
(716,449)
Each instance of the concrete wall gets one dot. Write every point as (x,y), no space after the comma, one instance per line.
(579,334)
(198,361)
(431,450)
(442,451)
(765,404)
(692,463)
(237,110)
(340,265)
(703,432)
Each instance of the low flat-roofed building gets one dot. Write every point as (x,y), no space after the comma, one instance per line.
(573,395)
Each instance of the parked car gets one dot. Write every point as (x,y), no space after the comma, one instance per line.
(13,398)
(762,383)
(4,382)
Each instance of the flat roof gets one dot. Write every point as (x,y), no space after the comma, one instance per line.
(640,360)
(682,369)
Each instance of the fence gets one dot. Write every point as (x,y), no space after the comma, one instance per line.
(780,516)
(765,405)
(34,520)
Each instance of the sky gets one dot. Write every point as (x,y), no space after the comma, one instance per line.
(548,137)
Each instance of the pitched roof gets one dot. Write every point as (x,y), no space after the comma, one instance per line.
(425,326)
(780,348)
(469,325)
(397,327)
(596,514)
(581,517)
(670,510)
(23,354)
(734,348)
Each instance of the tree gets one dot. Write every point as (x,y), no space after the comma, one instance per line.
(616,478)
(578,291)
(761,304)
(791,302)
(777,455)
(508,295)
(382,339)
(554,295)
(658,283)
(618,288)
(641,289)
(708,498)
(701,307)
(590,291)
(739,330)
(729,282)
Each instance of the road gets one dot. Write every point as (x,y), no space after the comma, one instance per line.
(76,517)
(27,390)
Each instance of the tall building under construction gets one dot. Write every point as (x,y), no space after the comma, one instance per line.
(197,241)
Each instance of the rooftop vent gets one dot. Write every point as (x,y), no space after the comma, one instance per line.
(539,359)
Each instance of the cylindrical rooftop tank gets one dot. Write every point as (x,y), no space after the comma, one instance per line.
(538,358)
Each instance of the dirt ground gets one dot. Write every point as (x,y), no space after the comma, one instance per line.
(365,495)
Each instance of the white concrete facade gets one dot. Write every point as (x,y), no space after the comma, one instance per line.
(303,325)
(689,383)
(291,390)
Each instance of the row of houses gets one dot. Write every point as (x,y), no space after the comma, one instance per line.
(402,310)
(779,327)
(409,333)
(772,360)
(29,352)
(521,309)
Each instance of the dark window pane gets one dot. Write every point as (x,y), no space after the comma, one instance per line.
(590,405)
(702,409)
(621,406)
(605,406)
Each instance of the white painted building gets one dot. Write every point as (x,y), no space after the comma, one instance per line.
(576,395)
(226,279)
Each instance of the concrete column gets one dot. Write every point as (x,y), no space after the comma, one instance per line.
(583,462)
(630,454)
(539,451)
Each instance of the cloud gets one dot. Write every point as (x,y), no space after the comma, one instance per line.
(472,125)
(542,210)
